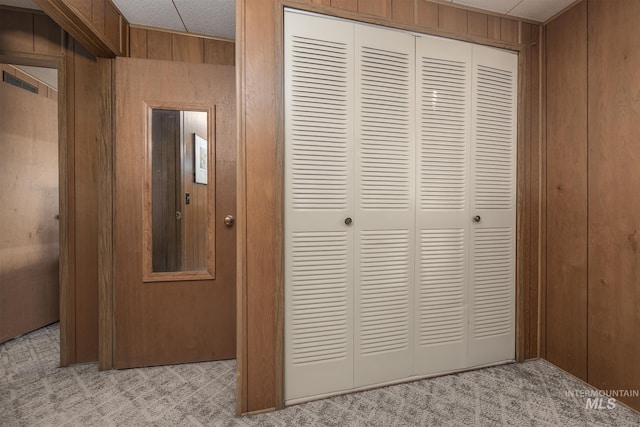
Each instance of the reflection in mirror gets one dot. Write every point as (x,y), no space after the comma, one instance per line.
(179,193)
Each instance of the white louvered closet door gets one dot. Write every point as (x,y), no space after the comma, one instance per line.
(442,211)
(385,207)
(493,154)
(319,94)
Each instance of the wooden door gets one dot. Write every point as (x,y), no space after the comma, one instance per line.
(164,317)
(29,248)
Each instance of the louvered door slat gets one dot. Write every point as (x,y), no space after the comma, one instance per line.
(442,216)
(318,196)
(384,165)
(492,268)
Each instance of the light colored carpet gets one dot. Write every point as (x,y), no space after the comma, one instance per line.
(34,391)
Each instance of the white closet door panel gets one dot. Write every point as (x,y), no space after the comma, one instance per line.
(442,214)
(318,197)
(494,149)
(384,219)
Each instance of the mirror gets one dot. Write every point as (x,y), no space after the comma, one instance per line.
(181,191)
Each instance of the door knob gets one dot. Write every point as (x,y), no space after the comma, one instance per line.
(348,221)
(178,215)
(229,220)
(476,218)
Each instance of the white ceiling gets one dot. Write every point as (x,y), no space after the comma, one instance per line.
(48,76)
(217,17)
(537,10)
(210,17)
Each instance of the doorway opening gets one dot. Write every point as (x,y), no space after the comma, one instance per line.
(29,199)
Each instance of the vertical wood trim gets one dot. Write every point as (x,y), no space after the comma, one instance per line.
(242,405)
(542,284)
(66,306)
(520,215)
(536,186)
(279,203)
(105,216)
(68,97)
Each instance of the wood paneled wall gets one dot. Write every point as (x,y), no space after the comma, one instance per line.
(147,43)
(614,197)
(31,38)
(260,246)
(566,165)
(593,202)
(97,24)
(28,210)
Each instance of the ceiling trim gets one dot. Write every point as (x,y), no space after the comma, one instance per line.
(182,33)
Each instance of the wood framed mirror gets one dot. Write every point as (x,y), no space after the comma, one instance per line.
(179,193)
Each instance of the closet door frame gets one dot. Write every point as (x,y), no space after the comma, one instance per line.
(524,303)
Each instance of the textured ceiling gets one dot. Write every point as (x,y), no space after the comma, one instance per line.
(537,10)
(217,17)
(210,17)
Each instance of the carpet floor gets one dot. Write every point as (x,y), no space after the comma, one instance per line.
(35,392)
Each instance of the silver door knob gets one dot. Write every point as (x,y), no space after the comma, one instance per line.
(229,220)
(348,221)
(178,215)
(476,218)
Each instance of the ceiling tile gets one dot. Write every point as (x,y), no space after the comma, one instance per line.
(27,4)
(152,13)
(539,10)
(211,17)
(500,6)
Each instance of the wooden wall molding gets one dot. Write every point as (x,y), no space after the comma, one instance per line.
(103,31)
(260,167)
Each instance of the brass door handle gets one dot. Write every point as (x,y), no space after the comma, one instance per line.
(229,220)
